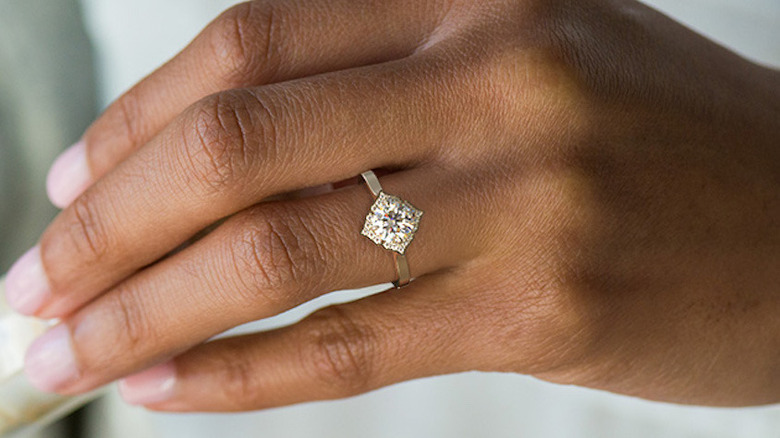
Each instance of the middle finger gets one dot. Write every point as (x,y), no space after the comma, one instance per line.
(228,152)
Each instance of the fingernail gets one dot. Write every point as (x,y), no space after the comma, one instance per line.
(151,386)
(69,176)
(50,363)
(26,287)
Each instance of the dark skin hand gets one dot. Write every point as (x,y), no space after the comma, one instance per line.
(601,189)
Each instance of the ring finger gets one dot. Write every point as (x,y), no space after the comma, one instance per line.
(260,262)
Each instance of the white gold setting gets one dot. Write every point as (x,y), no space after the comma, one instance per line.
(391,222)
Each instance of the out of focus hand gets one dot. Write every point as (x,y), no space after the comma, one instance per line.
(601,191)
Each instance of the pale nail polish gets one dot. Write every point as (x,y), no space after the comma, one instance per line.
(69,176)
(26,287)
(50,363)
(154,385)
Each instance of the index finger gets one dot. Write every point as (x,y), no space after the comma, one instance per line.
(253,43)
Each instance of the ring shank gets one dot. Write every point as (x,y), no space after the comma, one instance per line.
(402,268)
(372,181)
(401,264)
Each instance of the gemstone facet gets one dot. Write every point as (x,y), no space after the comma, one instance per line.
(391,222)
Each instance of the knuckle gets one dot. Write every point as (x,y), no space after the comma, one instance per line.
(275,256)
(556,331)
(133,330)
(87,231)
(218,149)
(238,378)
(339,351)
(243,40)
(130,118)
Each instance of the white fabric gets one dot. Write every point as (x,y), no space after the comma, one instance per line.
(133,37)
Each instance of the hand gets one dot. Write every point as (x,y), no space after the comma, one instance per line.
(600,188)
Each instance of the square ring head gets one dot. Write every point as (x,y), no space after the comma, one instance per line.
(391,222)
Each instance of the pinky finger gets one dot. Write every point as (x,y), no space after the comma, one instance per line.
(336,352)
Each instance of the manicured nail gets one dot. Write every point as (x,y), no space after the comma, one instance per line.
(49,363)
(69,176)
(154,385)
(26,287)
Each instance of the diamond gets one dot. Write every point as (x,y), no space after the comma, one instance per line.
(391,222)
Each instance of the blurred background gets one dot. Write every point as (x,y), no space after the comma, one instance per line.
(61,61)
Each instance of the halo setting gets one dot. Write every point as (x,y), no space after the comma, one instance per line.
(391,222)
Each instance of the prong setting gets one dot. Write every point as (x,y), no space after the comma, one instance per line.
(391,222)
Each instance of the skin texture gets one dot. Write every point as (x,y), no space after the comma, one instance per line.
(601,189)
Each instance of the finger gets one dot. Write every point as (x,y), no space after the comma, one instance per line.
(337,352)
(253,43)
(257,264)
(246,145)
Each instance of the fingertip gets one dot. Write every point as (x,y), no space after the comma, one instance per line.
(154,385)
(27,287)
(69,176)
(50,363)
